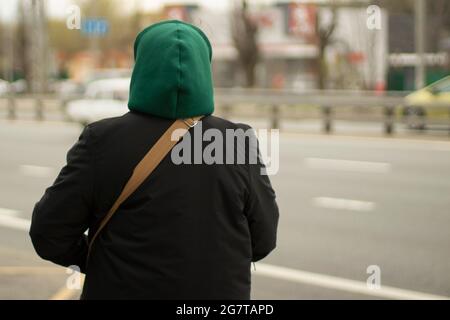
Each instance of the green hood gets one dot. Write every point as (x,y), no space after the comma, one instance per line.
(172,72)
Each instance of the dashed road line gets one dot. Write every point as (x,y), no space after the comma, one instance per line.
(348,165)
(343,204)
(13,222)
(29,270)
(8,212)
(36,171)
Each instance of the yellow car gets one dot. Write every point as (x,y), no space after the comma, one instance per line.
(436,94)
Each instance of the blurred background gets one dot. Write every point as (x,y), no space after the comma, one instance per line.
(359,89)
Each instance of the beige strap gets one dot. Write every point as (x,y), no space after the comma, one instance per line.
(146,166)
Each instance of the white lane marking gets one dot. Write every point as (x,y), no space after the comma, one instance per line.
(29,270)
(8,212)
(348,165)
(15,223)
(343,204)
(336,283)
(36,171)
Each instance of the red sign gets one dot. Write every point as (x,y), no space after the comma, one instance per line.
(302,20)
(356,57)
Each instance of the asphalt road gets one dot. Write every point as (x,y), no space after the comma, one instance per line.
(346,203)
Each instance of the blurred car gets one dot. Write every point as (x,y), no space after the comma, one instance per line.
(4,87)
(68,89)
(103,99)
(437,93)
(100,74)
(19,86)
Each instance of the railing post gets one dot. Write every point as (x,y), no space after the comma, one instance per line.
(275,117)
(389,112)
(63,108)
(39,108)
(327,119)
(11,107)
(226,111)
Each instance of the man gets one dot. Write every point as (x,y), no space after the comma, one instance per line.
(189,231)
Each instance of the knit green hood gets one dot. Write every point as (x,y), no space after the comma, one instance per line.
(172,72)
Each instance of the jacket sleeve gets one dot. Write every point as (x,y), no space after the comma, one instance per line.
(62,216)
(261,209)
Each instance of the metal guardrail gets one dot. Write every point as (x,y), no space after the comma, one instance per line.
(334,98)
(327,100)
(39,104)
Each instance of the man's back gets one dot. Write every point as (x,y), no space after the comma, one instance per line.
(186,231)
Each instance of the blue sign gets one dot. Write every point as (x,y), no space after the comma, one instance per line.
(94,27)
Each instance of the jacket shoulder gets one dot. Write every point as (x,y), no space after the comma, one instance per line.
(219,123)
(131,122)
(99,127)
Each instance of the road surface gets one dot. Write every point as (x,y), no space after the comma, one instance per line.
(347,204)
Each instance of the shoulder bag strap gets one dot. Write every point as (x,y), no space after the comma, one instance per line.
(145,167)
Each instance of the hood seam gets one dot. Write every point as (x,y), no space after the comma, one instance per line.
(177,22)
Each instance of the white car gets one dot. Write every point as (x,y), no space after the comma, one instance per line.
(103,99)
(4,87)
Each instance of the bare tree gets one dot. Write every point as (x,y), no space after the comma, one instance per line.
(30,44)
(22,44)
(244,32)
(324,35)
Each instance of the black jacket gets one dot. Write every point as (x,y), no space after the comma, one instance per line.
(188,232)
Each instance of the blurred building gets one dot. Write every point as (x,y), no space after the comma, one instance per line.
(402,58)
(288,44)
(286,38)
(83,65)
(356,57)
